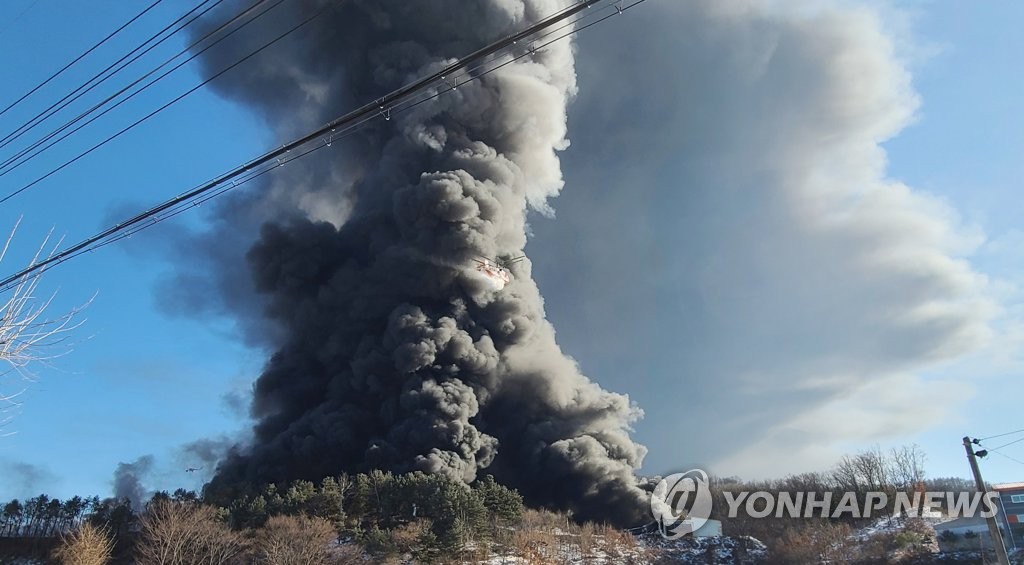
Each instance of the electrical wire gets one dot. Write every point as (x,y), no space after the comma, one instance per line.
(1002,435)
(78,58)
(469,72)
(996,449)
(99,77)
(13,162)
(110,71)
(1008,444)
(131,126)
(1001,454)
(10,162)
(328,141)
(382,107)
(167,209)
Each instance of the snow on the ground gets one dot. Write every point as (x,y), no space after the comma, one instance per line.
(893,524)
(652,548)
(738,550)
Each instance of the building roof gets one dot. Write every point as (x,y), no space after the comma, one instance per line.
(963,522)
(1008,486)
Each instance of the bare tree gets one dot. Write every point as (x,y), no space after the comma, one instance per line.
(805,482)
(185,533)
(28,334)
(296,540)
(88,545)
(846,475)
(867,470)
(908,466)
(873,468)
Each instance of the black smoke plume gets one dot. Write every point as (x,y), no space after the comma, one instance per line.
(390,351)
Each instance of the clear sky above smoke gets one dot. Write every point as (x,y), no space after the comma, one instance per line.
(758,339)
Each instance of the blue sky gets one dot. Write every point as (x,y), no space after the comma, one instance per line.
(141,380)
(760,303)
(966,147)
(95,407)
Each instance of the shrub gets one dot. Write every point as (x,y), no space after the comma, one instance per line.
(949,536)
(295,540)
(377,541)
(622,545)
(88,545)
(535,546)
(906,539)
(813,542)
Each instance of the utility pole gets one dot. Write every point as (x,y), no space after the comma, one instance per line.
(993,527)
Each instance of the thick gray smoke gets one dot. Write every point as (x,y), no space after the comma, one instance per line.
(389,350)
(128,480)
(796,297)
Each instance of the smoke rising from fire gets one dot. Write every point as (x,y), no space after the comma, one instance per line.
(388,350)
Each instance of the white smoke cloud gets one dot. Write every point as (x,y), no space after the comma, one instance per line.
(730,250)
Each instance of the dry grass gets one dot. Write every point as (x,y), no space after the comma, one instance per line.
(542,520)
(623,546)
(535,545)
(813,542)
(585,540)
(548,537)
(347,554)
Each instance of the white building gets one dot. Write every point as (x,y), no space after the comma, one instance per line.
(710,529)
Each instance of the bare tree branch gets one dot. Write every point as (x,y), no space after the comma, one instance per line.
(28,335)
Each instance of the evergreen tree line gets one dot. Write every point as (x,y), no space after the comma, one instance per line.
(426,515)
(42,516)
(369,507)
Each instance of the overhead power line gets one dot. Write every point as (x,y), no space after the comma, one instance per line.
(400,100)
(1008,444)
(1001,454)
(20,158)
(107,73)
(452,82)
(178,98)
(996,449)
(1003,435)
(78,58)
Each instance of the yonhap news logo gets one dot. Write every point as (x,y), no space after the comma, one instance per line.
(681,503)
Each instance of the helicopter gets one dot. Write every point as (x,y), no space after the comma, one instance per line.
(193,469)
(497,271)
